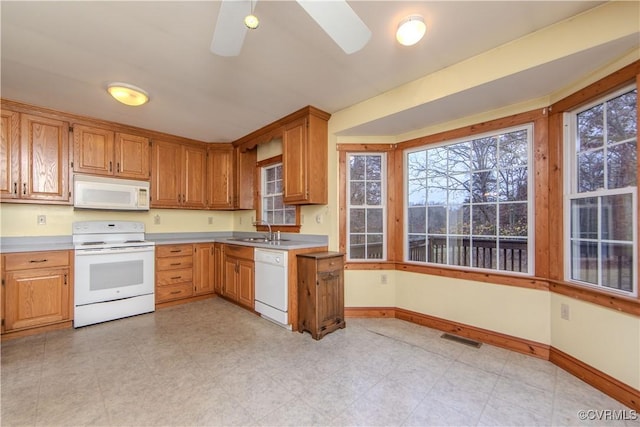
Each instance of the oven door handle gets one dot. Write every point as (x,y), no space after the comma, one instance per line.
(114,250)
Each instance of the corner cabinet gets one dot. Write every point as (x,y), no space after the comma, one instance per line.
(320,293)
(304,158)
(37,290)
(35,159)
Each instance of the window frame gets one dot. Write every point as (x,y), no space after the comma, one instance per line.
(571,193)
(383,206)
(294,228)
(530,201)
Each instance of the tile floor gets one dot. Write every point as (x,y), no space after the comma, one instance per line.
(212,363)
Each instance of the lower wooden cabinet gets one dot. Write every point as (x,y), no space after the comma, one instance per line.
(239,275)
(174,272)
(184,272)
(320,293)
(37,290)
(203,268)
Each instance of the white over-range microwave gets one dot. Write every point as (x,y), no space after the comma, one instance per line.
(94,192)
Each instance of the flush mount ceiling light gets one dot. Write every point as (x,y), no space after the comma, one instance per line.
(410,30)
(251,21)
(128,94)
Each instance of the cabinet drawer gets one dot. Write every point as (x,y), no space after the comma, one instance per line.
(173,263)
(330,264)
(171,277)
(168,293)
(174,250)
(238,251)
(29,260)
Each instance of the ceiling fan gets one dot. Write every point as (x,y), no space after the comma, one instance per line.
(335,17)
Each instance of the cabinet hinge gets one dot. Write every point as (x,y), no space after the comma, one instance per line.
(2,322)
(2,282)
(71,164)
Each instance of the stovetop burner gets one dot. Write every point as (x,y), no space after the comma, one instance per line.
(108,234)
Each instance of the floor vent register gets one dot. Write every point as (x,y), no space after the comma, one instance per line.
(460,340)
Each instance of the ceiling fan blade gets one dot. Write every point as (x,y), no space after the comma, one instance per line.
(230,30)
(340,22)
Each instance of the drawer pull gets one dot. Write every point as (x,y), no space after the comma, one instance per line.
(176,278)
(176,292)
(175,251)
(38,260)
(176,263)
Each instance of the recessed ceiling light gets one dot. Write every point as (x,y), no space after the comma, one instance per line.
(411,30)
(128,94)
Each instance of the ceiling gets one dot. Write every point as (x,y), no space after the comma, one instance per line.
(61,55)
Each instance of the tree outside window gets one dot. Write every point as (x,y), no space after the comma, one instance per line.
(468,202)
(601,227)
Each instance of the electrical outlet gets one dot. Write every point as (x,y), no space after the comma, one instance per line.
(319,218)
(384,279)
(210,220)
(42,220)
(564,311)
(156,219)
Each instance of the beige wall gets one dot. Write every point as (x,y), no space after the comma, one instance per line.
(603,338)
(21,220)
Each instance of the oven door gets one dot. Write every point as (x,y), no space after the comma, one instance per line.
(114,273)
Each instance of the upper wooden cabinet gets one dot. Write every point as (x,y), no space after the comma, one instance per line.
(178,175)
(35,158)
(103,152)
(220,177)
(245,161)
(304,153)
(304,159)
(10,154)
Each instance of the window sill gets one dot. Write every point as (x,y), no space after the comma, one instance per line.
(281,228)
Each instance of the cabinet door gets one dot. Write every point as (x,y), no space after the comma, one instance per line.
(230,289)
(36,297)
(166,167)
(220,179)
(245,178)
(44,159)
(194,190)
(92,150)
(204,268)
(245,283)
(218,268)
(10,155)
(131,156)
(294,161)
(329,299)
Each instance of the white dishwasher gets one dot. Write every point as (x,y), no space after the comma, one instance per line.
(271,289)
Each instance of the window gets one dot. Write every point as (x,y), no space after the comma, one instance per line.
(469,202)
(600,204)
(273,210)
(366,206)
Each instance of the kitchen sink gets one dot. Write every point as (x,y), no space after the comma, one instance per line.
(256,240)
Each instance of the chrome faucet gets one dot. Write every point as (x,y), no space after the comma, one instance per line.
(263,222)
